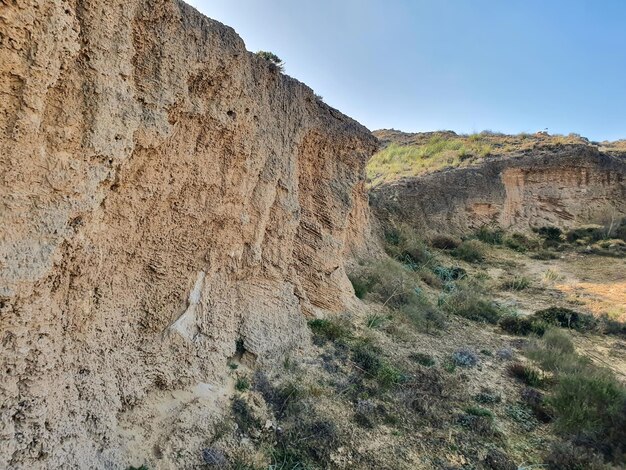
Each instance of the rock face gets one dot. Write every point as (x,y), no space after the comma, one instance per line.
(168,201)
(564,186)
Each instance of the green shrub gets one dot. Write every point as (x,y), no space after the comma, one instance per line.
(520,242)
(567,318)
(522,326)
(478,411)
(329,329)
(590,404)
(527,374)
(469,304)
(375,321)
(243,415)
(444,242)
(242,384)
(567,456)
(359,285)
(480,425)
(367,358)
(465,358)
(487,398)
(522,415)
(392,284)
(587,234)
(389,376)
(516,284)
(471,251)
(272,59)
(422,359)
(490,235)
(550,233)
(498,460)
(403,244)
(449,274)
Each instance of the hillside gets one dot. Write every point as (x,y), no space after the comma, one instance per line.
(194,274)
(519,184)
(413,154)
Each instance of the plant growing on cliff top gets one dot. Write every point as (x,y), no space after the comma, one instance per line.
(272,58)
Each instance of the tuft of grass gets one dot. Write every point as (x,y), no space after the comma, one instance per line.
(389,376)
(465,358)
(552,275)
(449,274)
(520,242)
(444,242)
(587,235)
(487,398)
(449,366)
(369,360)
(588,401)
(518,283)
(527,374)
(423,359)
(478,411)
(397,287)
(523,326)
(544,255)
(242,384)
(329,329)
(490,235)
(567,318)
(273,59)
(551,235)
(375,321)
(565,455)
(466,302)
(243,415)
(405,245)
(522,415)
(471,251)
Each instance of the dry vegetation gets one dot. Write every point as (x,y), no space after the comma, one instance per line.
(405,154)
(463,354)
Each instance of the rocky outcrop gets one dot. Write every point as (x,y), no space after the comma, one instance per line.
(564,186)
(168,201)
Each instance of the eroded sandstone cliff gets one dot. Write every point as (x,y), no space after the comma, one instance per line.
(564,186)
(165,195)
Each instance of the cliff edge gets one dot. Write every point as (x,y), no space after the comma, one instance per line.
(515,182)
(169,201)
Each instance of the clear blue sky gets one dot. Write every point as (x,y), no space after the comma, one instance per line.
(464,65)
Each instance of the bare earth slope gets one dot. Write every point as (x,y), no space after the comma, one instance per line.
(167,198)
(517,185)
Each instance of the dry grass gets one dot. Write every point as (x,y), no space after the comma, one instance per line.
(406,154)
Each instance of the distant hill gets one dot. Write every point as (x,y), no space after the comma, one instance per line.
(405,154)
